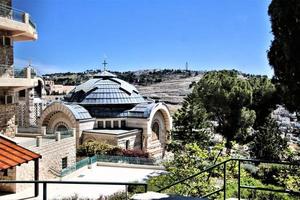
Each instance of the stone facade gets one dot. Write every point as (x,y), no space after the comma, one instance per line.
(7,119)
(126,139)
(6,54)
(50,165)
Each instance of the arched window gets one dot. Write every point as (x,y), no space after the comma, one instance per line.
(61,128)
(127,144)
(155,131)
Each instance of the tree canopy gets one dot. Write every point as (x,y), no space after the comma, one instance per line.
(285,50)
(234,103)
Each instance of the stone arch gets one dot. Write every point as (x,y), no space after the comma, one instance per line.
(55,114)
(163,109)
(160,114)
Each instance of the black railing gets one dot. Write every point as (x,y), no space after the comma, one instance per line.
(223,189)
(45,184)
(15,14)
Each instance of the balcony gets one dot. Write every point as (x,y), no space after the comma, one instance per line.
(12,79)
(18,23)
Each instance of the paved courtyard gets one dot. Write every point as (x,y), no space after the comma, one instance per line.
(97,173)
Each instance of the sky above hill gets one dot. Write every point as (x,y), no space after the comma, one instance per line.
(75,35)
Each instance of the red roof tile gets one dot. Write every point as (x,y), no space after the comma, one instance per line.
(12,154)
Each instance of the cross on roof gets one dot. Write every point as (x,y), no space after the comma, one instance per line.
(104,65)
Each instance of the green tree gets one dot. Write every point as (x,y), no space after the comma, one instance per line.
(268,143)
(225,96)
(285,50)
(191,160)
(190,124)
(264,97)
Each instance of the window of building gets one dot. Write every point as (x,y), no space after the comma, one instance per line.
(107,124)
(5,172)
(100,124)
(116,124)
(155,131)
(123,123)
(5,41)
(22,93)
(127,144)
(64,162)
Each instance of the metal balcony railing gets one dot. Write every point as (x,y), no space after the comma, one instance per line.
(239,185)
(6,70)
(15,14)
(46,183)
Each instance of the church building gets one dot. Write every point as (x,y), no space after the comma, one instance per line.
(108,109)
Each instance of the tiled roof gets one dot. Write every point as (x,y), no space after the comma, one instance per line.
(12,154)
(105,91)
(79,112)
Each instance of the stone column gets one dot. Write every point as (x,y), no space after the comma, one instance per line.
(57,136)
(38,141)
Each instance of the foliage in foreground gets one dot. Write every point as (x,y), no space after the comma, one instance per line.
(193,159)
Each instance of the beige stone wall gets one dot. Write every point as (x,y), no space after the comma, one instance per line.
(7,119)
(11,175)
(109,139)
(135,139)
(81,126)
(143,125)
(51,162)
(24,172)
(52,154)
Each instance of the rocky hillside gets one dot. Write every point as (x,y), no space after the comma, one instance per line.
(170,91)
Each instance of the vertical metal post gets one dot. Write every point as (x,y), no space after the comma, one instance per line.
(146,188)
(44,191)
(239,181)
(126,190)
(224,181)
(36,177)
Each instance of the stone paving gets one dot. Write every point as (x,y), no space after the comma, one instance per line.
(96,173)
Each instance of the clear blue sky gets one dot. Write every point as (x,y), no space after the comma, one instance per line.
(75,35)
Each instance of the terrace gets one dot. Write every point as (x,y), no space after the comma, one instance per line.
(18,22)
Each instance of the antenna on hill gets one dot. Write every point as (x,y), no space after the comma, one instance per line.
(186,66)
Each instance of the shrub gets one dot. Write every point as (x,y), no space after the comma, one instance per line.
(135,153)
(95,147)
(117,196)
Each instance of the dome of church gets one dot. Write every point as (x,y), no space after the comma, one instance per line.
(105,89)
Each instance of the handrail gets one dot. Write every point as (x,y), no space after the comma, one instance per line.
(194,175)
(71,182)
(297,163)
(15,14)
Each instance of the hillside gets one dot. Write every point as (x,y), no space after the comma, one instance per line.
(170,91)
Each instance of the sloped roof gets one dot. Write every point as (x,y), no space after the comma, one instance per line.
(12,154)
(105,90)
(79,112)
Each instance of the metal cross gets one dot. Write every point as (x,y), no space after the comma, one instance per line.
(104,65)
